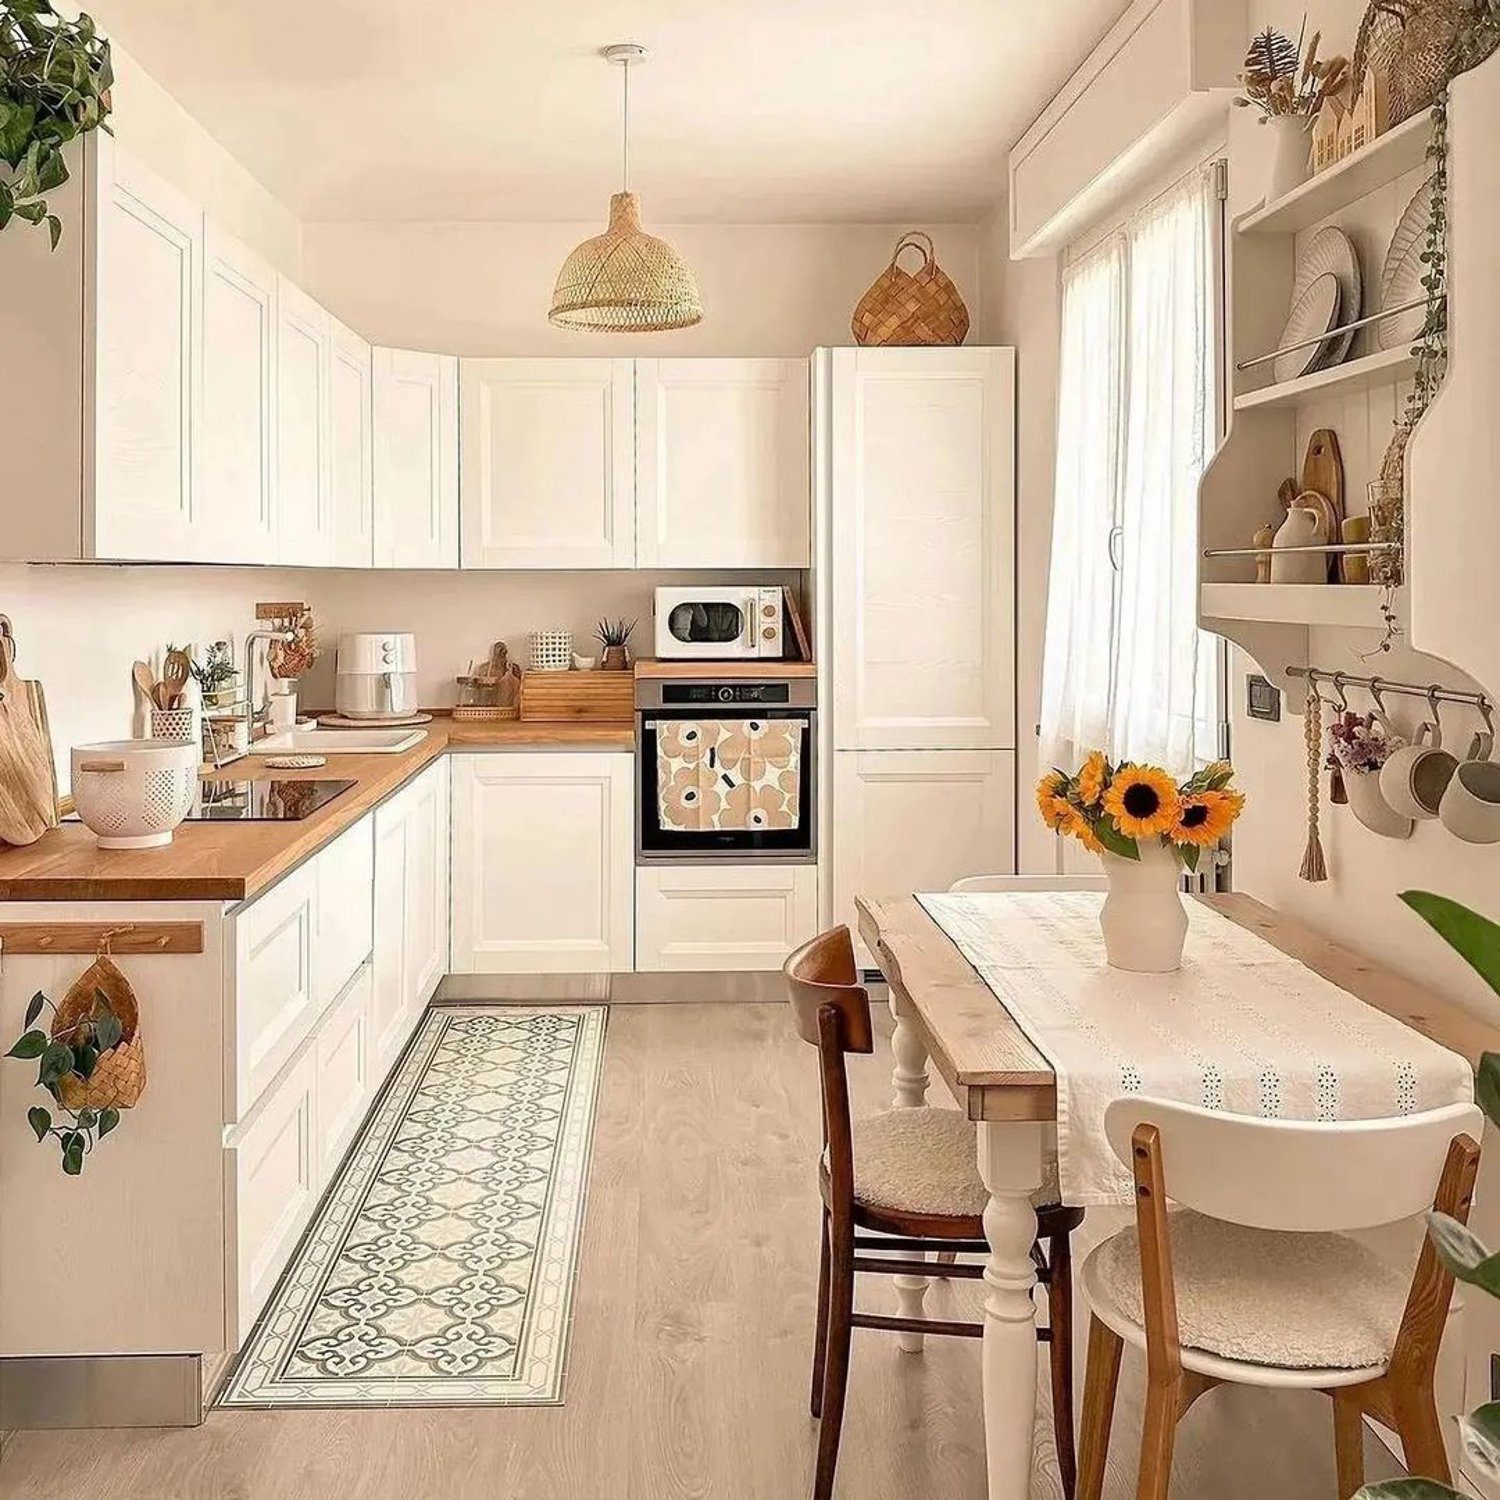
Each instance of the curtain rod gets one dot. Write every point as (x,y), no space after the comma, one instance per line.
(1379,685)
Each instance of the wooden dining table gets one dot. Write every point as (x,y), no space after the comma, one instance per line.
(947,1016)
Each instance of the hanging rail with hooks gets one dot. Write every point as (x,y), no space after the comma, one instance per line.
(1378,686)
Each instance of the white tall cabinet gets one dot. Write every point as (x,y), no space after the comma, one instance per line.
(416,459)
(304,503)
(917,617)
(351,469)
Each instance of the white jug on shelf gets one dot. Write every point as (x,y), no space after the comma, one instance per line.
(1304,527)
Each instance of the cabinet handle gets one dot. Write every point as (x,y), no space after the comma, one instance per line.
(1116,535)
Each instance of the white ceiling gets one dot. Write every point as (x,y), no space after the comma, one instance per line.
(748,111)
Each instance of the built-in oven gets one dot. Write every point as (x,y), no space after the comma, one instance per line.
(726,769)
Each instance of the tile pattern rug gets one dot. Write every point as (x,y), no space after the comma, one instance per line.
(439,1269)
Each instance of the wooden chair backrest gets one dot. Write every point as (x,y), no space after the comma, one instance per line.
(1030,883)
(1295,1174)
(832,1011)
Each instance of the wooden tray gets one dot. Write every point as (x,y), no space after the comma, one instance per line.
(594,697)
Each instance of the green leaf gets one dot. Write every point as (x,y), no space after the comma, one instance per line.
(1408,1489)
(108,1119)
(1464,1253)
(40,1121)
(33,1010)
(57,1062)
(32,1044)
(1487,1085)
(1474,938)
(1481,1438)
(87,1119)
(54,229)
(1115,841)
(85,1058)
(107,1031)
(72,1161)
(1188,854)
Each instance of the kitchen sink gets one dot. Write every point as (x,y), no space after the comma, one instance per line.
(339,742)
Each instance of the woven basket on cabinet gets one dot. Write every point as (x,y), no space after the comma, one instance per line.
(119,1076)
(1409,42)
(911,307)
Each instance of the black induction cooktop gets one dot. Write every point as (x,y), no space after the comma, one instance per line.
(264,801)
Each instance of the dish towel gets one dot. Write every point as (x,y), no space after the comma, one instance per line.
(1241,1027)
(739,775)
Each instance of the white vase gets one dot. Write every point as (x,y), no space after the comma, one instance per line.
(1143,919)
(1291,148)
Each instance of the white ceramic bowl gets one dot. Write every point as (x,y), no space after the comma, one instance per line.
(133,793)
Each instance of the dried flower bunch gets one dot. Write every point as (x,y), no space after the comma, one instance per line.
(1358,743)
(1282,81)
(296,657)
(1109,808)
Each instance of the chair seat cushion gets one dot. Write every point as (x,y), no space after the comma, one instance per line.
(925,1161)
(1299,1301)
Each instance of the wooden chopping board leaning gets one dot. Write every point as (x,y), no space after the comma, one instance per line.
(28,775)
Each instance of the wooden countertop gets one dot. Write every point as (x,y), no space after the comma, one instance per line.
(233,861)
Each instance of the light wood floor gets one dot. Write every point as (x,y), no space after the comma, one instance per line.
(691,1342)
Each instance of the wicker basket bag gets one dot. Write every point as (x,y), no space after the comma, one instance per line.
(907,308)
(1409,42)
(119,1075)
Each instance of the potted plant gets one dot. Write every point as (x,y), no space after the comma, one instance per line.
(289,661)
(217,676)
(55,80)
(1358,746)
(1146,828)
(1289,87)
(614,636)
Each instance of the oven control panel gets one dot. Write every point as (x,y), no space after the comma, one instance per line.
(726,692)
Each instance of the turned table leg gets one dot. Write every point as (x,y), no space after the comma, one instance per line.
(909,1082)
(1010,1163)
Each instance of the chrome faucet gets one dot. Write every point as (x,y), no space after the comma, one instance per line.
(250,643)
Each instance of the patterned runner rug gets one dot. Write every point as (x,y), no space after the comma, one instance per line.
(439,1269)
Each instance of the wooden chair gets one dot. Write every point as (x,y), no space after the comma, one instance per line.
(916,1188)
(1253,1280)
(1030,883)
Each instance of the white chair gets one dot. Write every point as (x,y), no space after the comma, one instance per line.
(1030,883)
(1252,1279)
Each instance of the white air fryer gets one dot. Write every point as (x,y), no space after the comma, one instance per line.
(377,676)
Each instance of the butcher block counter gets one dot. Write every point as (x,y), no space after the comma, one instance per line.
(233,861)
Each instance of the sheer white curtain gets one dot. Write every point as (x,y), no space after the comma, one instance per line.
(1126,667)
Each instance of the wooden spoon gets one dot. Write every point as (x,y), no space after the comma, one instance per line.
(174,675)
(145,682)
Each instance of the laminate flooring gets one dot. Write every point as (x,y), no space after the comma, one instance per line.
(689,1363)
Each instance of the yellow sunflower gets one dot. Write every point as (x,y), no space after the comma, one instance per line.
(1046,797)
(1143,801)
(1205,817)
(1091,779)
(1071,821)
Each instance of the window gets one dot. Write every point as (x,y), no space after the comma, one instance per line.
(1126,667)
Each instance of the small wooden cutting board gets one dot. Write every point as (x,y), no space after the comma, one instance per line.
(1323,472)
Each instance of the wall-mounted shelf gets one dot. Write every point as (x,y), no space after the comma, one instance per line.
(1352,605)
(1382,161)
(1383,368)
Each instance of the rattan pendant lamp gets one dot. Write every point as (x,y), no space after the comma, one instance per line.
(625,280)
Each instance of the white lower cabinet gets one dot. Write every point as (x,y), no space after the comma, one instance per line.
(543,862)
(346,1079)
(343,914)
(917,820)
(722,916)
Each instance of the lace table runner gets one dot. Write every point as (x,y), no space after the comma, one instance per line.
(1240,1027)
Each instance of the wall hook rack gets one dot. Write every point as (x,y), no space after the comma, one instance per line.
(1430,692)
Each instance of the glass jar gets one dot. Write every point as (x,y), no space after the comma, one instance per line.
(1387,524)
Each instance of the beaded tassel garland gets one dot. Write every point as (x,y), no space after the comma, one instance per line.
(1314,867)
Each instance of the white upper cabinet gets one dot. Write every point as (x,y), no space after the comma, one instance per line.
(921,477)
(145,364)
(351,477)
(303,500)
(722,463)
(548,463)
(235,444)
(416,459)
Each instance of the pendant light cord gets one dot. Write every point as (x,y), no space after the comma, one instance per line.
(625,130)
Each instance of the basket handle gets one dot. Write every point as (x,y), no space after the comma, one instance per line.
(918,240)
(101,766)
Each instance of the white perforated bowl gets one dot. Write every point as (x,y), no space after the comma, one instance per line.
(133,793)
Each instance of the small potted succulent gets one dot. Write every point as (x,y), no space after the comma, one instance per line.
(614,636)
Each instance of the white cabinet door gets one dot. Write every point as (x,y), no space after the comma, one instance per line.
(722,454)
(548,456)
(351,478)
(416,459)
(234,446)
(543,863)
(907,820)
(342,918)
(346,1080)
(426,925)
(146,366)
(304,524)
(389,1010)
(724,916)
(922,512)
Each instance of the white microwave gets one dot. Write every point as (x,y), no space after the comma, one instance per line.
(719,624)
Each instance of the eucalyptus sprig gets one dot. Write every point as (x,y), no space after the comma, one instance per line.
(71,1051)
(55,81)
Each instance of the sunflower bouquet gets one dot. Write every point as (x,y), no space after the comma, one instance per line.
(1110,808)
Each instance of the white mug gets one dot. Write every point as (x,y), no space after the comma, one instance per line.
(283,712)
(1415,777)
(1471,804)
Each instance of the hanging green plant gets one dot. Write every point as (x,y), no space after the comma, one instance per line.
(55,78)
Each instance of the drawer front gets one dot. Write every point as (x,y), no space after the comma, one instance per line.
(345,1067)
(273,1183)
(344,915)
(274,994)
(708,918)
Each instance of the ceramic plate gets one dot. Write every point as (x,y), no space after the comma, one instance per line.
(1330,249)
(1401,276)
(1314,312)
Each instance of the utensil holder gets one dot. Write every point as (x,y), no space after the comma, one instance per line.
(551,650)
(183,724)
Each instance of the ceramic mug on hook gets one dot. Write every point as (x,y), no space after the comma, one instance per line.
(1415,777)
(1471,805)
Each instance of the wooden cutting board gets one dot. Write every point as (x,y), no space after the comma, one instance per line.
(28,776)
(1323,472)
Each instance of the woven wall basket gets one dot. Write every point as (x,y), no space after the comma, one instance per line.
(911,307)
(119,1076)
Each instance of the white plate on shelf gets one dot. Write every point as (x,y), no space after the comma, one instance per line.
(1330,249)
(1314,312)
(1401,276)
